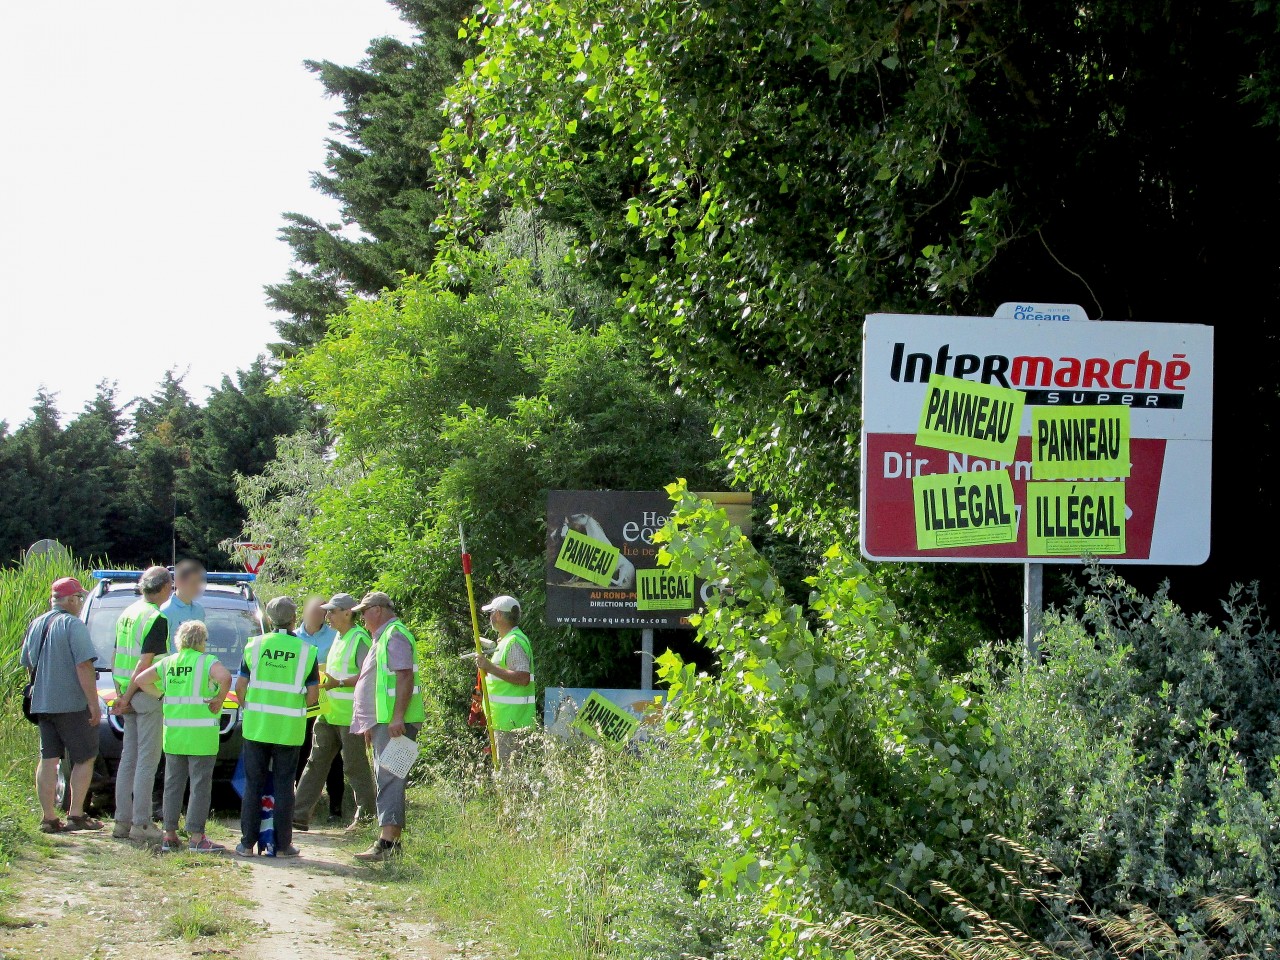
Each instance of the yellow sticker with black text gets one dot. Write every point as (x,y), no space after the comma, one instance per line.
(964,509)
(664,589)
(1067,519)
(974,418)
(605,722)
(1079,443)
(588,558)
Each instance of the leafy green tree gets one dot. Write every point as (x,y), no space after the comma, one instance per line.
(97,461)
(236,435)
(281,503)
(380,171)
(164,427)
(64,483)
(30,477)
(779,171)
(850,773)
(468,407)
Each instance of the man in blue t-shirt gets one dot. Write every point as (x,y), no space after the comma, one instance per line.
(64,702)
(184,603)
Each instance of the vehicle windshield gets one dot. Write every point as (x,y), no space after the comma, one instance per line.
(231,621)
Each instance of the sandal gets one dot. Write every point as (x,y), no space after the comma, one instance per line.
(52,826)
(83,822)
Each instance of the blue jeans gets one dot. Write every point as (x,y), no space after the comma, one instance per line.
(259,760)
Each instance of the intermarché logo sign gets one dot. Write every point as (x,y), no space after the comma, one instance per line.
(1135,381)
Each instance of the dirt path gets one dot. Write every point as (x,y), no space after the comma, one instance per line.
(98,898)
(322,900)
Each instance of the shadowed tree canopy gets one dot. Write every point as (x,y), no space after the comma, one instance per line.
(119,481)
(780,170)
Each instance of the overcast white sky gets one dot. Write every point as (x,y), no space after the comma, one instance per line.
(147,150)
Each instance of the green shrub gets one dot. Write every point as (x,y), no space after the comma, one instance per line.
(875,775)
(1145,751)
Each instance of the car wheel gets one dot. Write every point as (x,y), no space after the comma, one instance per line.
(64,785)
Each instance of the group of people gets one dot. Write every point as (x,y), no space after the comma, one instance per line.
(315,698)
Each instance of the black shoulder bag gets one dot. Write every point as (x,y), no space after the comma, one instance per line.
(29,689)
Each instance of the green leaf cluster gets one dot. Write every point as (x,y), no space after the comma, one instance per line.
(857,774)
(463,396)
(1147,747)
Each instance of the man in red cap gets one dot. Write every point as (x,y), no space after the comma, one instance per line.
(59,657)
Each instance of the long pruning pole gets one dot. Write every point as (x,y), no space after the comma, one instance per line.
(475,629)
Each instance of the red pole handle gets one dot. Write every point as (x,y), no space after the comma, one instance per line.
(466,564)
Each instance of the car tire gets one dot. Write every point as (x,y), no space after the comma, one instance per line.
(63,794)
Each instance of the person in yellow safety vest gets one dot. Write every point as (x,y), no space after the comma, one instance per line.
(277,681)
(194,685)
(387,704)
(510,679)
(142,634)
(332,737)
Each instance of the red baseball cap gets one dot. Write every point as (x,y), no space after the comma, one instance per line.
(66,587)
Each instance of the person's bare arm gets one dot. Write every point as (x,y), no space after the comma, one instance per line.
(148,681)
(242,684)
(222,677)
(404,691)
(88,677)
(144,664)
(520,678)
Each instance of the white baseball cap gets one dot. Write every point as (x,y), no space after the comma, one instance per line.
(503,604)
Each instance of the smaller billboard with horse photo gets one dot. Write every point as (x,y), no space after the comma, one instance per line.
(602,561)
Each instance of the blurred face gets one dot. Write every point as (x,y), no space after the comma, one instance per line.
(498,620)
(191,585)
(313,614)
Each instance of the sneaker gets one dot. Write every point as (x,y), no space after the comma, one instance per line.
(301,827)
(205,845)
(170,845)
(361,822)
(289,851)
(121,830)
(243,851)
(380,852)
(148,834)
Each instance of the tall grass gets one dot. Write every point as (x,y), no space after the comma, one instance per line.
(577,854)
(24,594)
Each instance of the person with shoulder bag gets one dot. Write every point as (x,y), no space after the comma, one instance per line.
(63,702)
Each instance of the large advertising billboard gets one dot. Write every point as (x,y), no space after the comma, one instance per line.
(602,562)
(1019,440)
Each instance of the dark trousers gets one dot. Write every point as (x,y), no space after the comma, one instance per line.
(334,783)
(259,760)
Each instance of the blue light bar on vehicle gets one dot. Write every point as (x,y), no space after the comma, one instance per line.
(134,575)
(230,577)
(115,574)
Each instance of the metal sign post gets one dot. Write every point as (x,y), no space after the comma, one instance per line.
(646,658)
(1032,608)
